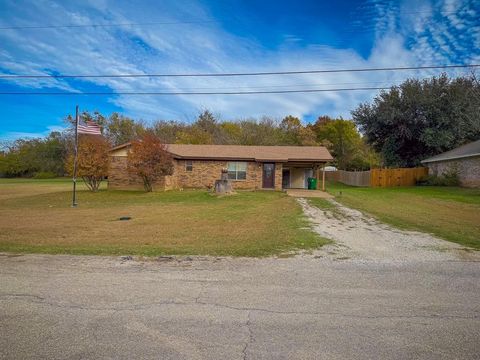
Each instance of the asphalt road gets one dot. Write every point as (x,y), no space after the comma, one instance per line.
(65,307)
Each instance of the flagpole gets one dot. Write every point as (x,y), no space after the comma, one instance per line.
(74,198)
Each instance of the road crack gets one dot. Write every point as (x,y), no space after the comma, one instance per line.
(195,301)
(250,336)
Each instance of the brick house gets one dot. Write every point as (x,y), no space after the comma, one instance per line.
(249,167)
(465,160)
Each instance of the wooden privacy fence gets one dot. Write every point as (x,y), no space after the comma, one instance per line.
(396,177)
(354,178)
(379,177)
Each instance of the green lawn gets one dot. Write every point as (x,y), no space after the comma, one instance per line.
(35,216)
(451,213)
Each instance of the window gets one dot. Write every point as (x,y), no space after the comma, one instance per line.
(237,170)
(188,165)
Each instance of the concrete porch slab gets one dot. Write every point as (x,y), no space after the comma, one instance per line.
(309,193)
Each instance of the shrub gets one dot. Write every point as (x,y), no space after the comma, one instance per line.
(44,175)
(423,181)
(449,178)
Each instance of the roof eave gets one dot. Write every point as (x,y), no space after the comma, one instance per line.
(118,147)
(183,157)
(310,160)
(270,160)
(448,158)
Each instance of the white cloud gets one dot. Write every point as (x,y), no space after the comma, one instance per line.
(208,48)
(13,135)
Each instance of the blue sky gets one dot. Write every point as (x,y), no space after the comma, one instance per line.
(233,36)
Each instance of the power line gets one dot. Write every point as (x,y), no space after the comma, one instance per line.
(60,76)
(268,86)
(105,25)
(153,23)
(56,93)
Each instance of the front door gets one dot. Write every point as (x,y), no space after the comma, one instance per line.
(268,176)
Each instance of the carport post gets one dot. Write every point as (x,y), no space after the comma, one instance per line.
(323,178)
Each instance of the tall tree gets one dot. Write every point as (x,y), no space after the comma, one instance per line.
(148,158)
(116,128)
(345,142)
(260,132)
(27,157)
(294,133)
(421,118)
(232,131)
(120,129)
(209,124)
(194,135)
(290,127)
(167,131)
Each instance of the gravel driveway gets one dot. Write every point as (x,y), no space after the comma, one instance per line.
(358,236)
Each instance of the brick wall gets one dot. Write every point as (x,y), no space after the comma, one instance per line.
(120,179)
(205,172)
(202,176)
(468,170)
(278,176)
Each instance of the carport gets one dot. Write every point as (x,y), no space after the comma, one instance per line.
(295,174)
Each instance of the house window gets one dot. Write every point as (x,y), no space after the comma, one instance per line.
(237,170)
(188,165)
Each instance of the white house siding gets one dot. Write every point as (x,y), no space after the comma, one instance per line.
(298,177)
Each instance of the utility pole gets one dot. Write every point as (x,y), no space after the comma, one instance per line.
(74,198)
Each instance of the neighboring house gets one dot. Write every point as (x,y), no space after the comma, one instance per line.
(249,167)
(464,159)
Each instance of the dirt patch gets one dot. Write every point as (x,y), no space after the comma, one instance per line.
(358,236)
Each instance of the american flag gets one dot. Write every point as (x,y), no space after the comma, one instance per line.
(88,127)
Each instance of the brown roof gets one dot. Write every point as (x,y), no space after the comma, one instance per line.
(246,152)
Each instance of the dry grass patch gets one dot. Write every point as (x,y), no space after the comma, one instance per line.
(188,222)
(15,188)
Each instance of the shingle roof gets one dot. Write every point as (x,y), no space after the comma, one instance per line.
(468,150)
(245,152)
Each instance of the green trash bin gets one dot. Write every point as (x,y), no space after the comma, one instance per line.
(312,183)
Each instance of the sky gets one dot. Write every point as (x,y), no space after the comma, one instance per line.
(215,36)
